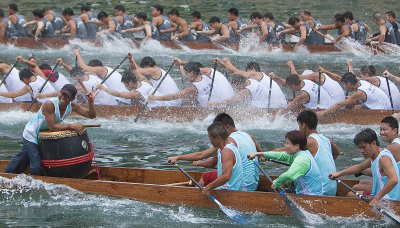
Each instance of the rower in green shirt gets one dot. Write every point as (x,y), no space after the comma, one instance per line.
(303,170)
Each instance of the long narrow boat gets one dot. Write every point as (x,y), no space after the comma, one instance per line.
(58,43)
(190,114)
(152,185)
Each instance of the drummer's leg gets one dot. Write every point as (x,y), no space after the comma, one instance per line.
(34,158)
(19,162)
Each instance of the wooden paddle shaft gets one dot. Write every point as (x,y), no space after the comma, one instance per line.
(92,125)
(332,41)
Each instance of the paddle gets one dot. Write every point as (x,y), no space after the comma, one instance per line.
(390,95)
(212,81)
(233,214)
(92,125)
(292,206)
(319,90)
(107,76)
(269,94)
(44,84)
(366,200)
(278,162)
(332,41)
(5,77)
(158,86)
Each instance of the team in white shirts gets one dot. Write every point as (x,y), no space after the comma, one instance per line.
(254,88)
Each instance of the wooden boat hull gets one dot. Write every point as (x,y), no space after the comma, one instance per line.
(57,43)
(190,114)
(150,185)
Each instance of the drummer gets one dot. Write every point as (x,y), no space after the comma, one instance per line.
(48,117)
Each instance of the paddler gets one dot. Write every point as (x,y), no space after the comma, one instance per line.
(359,28)
(199,25)
(344,28)
(180,27)
(110,24)
(308,96)
(161,22)
(386,31)
(49,117)
(242,140)
(7,29)
(43,27)
(229,164)
(13,82)
(385,171)
(33,82)
(149,71)
(96,67)
(391,18)
(76,28)
(253,71)
(139,91)
(226,33)
(329,82)
(370,96)
(323,149)
(389,132)
(303,171)
(199,90)
(17,20)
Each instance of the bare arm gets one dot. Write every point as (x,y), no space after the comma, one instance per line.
(128,95)
(334,76)
(187,92)
(26,89)
(290,64)
(3,27)
(195,156)
(225,33)
(303,35)
(72,32)
(241,95)
(209,163)
(277,79)
(335,150)
(298,100)
(385,163)
(352,100)
(355,169)
(66,66)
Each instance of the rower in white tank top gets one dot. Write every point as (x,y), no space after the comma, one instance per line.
(278,98)
(146,90)
(394,91)
(61,81)
(220,79)
(14,84)
(102,97)
(37,84)
(312,90)
(114,83)
(203,89)
(3,88)
(259,95)
(376,98)
(168,86)
(334,90)
(222,89)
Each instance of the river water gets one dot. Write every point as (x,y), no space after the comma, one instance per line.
(148,143)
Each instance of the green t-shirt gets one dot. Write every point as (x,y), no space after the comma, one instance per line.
(300,165)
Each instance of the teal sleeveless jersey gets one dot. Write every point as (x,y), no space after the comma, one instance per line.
(309,183)
(236,181)
(38,122)
(379,181)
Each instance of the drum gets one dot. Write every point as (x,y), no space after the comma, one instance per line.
(65,153)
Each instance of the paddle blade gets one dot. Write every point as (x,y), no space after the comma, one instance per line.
(234,215)
(295,209)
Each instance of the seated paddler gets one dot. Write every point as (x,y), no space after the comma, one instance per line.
(49,117)
(303,171)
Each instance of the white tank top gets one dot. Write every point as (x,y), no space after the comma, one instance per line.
(334,90)
(222,89)
(203,89)
(61,81)
(114,83)
(376,98)
(14,84)
(278,98)
(312,90)
(37,84)
(3,88)
(394,91)
(146,90)
(259,95)
(102,97)
(168,86)
(220,79)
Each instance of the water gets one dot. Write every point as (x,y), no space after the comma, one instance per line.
(148,144)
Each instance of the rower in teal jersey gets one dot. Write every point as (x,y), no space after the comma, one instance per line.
(384,169)
(324,150)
